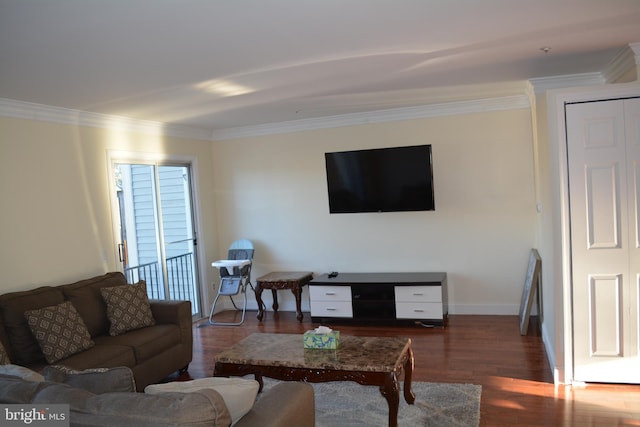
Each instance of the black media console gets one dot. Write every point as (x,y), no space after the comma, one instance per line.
(380,297)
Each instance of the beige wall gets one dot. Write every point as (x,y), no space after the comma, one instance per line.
(550,252)
(56,214)
(272,190)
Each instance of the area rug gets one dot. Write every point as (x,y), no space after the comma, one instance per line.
(346,404)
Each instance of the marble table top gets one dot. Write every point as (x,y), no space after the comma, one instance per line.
(286,276)
(366,354)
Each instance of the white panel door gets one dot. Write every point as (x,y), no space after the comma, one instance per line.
(603,146)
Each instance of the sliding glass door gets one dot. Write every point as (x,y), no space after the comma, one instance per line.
(157,229)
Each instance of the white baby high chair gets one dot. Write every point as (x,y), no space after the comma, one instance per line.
(235,272)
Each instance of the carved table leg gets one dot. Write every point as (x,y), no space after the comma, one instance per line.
(391,391)
(409,396)
(297,292)
(258,378)
(259,301)
(275,299)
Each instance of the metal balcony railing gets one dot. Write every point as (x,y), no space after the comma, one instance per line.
(180,275)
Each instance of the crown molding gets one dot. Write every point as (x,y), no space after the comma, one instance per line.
(378,116)
(626,59)
(40,112)
(47,113)
(635,47)
(542,84)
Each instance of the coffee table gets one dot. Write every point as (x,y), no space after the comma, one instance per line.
(366,360)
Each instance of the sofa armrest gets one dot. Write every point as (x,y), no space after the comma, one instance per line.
(178,313)
(285,404)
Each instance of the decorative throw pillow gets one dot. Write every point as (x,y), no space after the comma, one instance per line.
(60,331)
(4,357)
(97,381)
(128,307)
(239,394)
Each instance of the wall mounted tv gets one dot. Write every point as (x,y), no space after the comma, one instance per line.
(380,180)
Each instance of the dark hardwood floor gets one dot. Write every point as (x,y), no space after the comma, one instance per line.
(517,384)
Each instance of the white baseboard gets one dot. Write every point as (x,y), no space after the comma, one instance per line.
(467,309)
(486,309)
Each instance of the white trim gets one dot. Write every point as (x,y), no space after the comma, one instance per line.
(378,116)
(147,157)
(556,101)
(551,357)
(205,290)
(47,113)
(635,47)
(139,157)
(485,309)
(624,61)
(543,84)
(33,111)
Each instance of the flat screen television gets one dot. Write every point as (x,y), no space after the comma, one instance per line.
(380,180)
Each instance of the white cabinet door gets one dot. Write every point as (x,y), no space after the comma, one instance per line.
(330,301)
(331,309)
(330,293)
(418,310)
(603,146)
(418,294)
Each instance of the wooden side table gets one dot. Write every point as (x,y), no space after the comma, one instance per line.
(293,280)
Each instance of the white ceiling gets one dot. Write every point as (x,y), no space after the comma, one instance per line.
(225,64)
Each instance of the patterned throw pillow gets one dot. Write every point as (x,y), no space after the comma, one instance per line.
(4,357)
(128,307)
(60,331)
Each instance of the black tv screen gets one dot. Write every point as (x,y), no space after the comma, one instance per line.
(380,180)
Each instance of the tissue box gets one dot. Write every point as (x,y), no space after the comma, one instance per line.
(312,339)
(317,356)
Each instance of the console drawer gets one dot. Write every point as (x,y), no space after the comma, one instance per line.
(331,308)
(419,310)
(330,293)
(418,293)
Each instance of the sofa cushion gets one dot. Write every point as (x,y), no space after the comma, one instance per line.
(146,342)
(201,408)
(21,372)
(238,394)
(97,380)
(204,408)
(14,390)
(101,356)
(23,347)
(56,393)
(128,307)
(85,296)
(60,331)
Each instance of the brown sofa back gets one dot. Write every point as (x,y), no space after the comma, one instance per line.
(23,348)
(85,295)
(86,298)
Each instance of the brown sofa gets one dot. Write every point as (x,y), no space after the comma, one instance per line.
(286,404)
(152,352)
